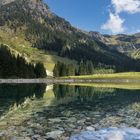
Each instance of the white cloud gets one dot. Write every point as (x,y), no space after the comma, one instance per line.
(130,6)
(114,24)
(138,31)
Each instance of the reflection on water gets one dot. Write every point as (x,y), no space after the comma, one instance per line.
(69,109)
(103,97)
(15,95)
(84,94)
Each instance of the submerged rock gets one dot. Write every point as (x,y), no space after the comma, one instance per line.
(55,120)
(109,134)
(54,134)
(90,128)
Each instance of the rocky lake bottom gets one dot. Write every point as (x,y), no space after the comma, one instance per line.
(65,111)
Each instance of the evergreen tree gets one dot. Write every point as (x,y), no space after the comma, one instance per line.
(89,67)
(57,69)
(71,70)
(40,70)
(82,68)
(63,70)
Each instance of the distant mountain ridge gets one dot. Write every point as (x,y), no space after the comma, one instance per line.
(127,44)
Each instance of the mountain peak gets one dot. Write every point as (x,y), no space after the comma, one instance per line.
(4,2)
(97,36)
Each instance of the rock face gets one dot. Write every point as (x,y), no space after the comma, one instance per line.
(109,134)
(97,36)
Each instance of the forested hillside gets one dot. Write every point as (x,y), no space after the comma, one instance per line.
(34,31)
(12,66)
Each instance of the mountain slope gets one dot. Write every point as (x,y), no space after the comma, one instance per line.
(127,44)
(16,21)
(31,29)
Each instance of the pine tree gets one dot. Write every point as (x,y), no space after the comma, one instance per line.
(82,68)
(40,71)
(71,70)
(63,70)
(57,69)
(89,67)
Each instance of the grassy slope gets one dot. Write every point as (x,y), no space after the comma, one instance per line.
(136,54)
(127,75)
(19,45)
(133,53)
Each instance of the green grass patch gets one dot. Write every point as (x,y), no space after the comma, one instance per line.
(126,75)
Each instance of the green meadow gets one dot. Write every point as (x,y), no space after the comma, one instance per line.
(126,75)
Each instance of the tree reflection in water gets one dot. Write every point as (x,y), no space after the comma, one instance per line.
(11,94)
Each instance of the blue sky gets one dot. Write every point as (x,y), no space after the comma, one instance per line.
(105,16)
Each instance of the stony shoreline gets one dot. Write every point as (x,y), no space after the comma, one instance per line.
(62,122)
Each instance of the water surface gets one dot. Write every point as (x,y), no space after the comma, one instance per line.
(38,110)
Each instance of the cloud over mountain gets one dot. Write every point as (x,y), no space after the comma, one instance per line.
(115,23)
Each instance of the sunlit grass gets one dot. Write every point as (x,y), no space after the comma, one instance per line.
(127,75)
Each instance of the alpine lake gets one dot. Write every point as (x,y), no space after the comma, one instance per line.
(59,111)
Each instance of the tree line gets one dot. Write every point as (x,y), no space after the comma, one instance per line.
(83,68)
(12,66)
